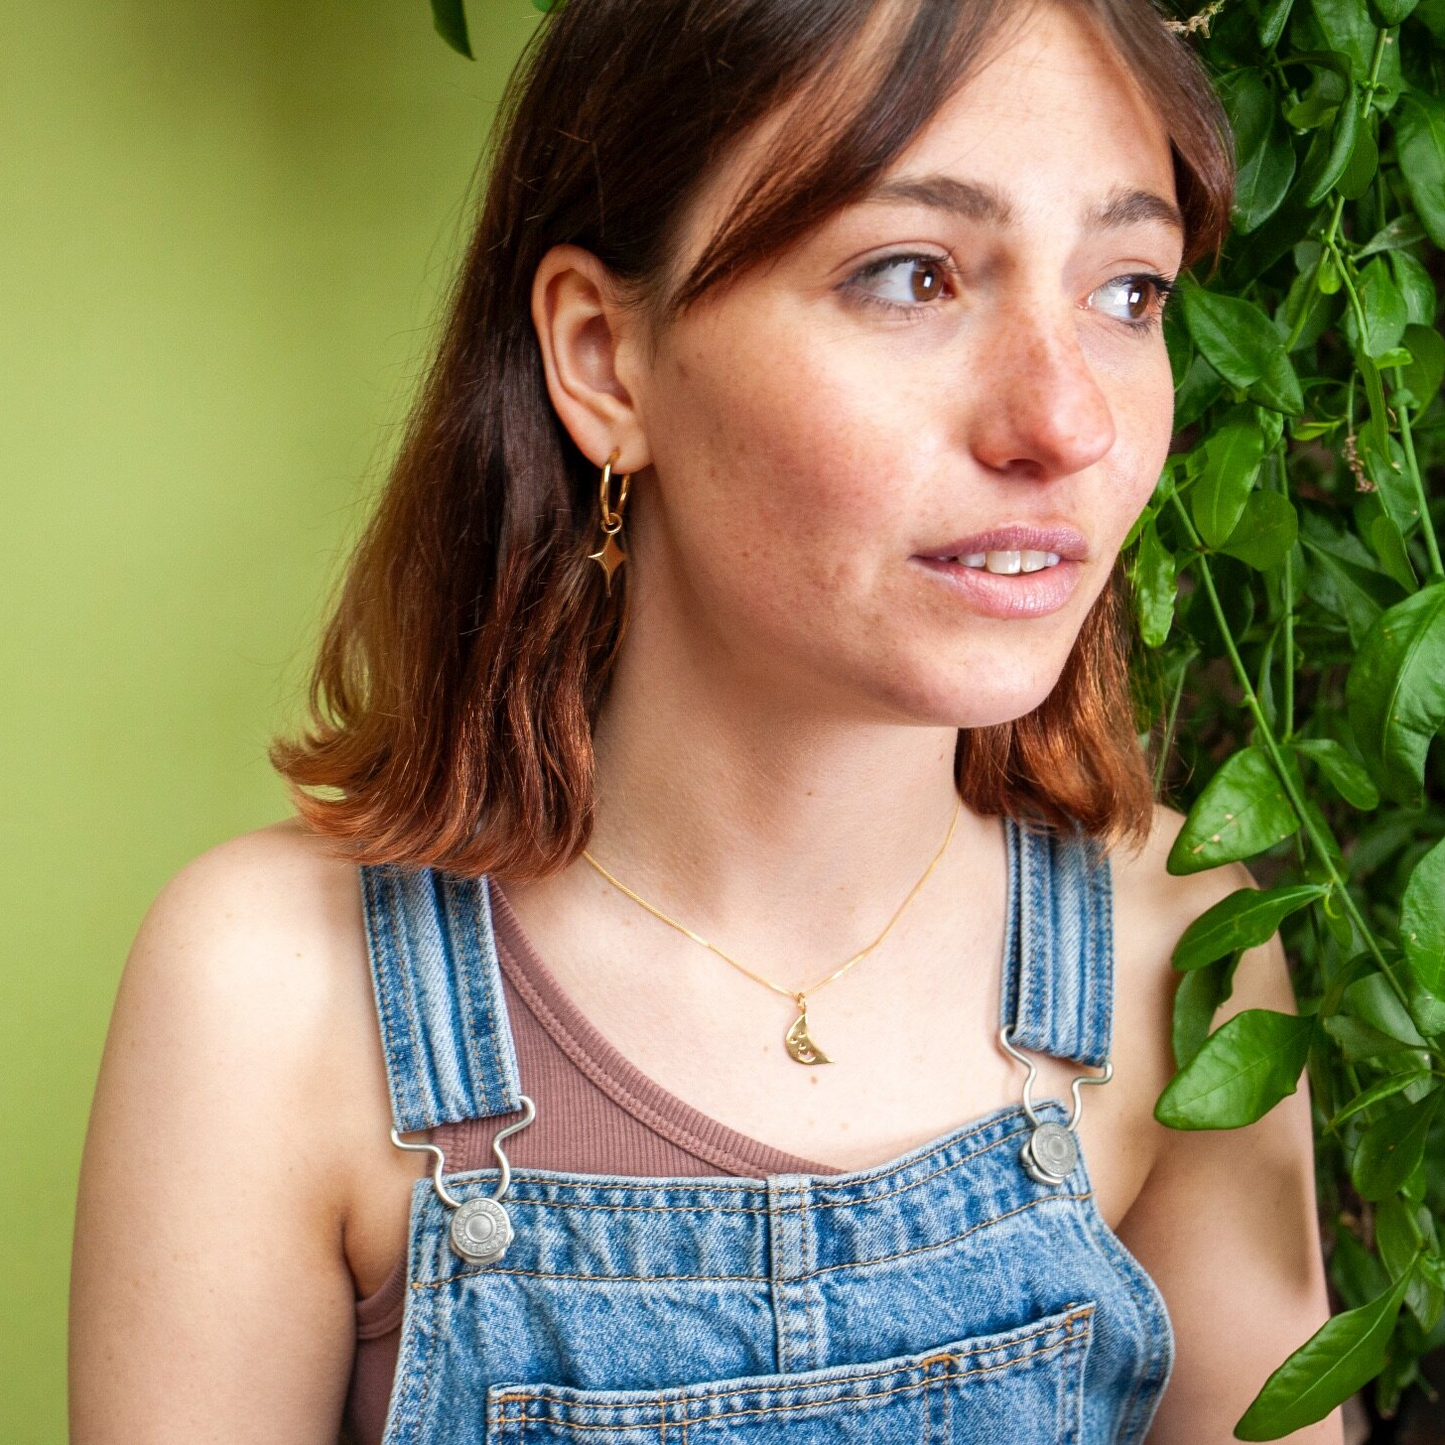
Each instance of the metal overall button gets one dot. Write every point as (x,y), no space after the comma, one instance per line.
(481,1228)
(1051,1151)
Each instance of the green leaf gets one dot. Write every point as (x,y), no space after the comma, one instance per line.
(1389,544)
(1232,457)
(1416,288)
(1427,368)
(1396,692)
(450,19)
(1432,12)
(1344,588)
(1385,1088)
(1340,1358)
(1363,164)
(1242,811)
(1263,152)
(1154,586)
(1327,166)
(1426,1007)
(1247,917)
(1307,311)
(1391,1147)
(1383,307)
(1345,775)
(1240,342)
(1402,231)
(1393,488)
(1372,1000)
(1422,921)
(1374,393)
(1243,1070)
(1391,12)
(1348,30)
(1359,1041)
(1420,143)
(1197,998)
(1265,532)
(1272,17)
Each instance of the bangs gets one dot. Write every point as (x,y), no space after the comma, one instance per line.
(825,146)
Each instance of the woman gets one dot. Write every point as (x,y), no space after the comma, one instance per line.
(750,575)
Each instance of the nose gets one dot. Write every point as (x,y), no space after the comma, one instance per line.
(1041,412)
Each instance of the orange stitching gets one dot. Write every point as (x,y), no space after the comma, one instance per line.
(746,1278)
(1072,1336)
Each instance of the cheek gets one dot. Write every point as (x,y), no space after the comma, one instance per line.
(1144,416)
(780,444)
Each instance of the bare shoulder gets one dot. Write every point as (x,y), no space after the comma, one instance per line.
(1153,907)
(254,952)
(240,1072)
(248,973)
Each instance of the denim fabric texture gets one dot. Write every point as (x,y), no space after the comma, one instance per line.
(944,1296)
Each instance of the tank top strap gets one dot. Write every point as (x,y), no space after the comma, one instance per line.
(1058,980)
(437,980)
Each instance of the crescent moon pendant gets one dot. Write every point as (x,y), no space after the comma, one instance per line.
(801,1046)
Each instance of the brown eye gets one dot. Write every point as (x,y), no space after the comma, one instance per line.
(1137,301)
(932,281)
(905,282)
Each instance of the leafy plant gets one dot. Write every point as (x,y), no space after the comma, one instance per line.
(1291,600)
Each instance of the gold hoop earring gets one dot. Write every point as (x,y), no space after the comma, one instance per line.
(610,555)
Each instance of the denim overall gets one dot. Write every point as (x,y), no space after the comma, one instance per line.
(949,1295)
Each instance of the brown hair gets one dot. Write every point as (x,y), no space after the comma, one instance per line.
(468,655)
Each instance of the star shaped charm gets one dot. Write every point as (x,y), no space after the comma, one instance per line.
(609,557)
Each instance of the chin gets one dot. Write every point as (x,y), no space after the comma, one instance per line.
(942,702)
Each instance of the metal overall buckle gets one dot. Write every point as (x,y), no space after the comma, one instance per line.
(481,1229)
(1051,1151)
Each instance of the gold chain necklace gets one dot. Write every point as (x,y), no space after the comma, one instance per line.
(799,1044)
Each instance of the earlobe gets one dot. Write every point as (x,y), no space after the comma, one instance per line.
(582,333)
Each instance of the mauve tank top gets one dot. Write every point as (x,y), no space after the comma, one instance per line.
(595,1112)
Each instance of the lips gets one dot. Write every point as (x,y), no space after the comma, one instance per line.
(1064,541)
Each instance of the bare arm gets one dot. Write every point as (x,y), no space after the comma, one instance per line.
(1227,1226)
(210,1297)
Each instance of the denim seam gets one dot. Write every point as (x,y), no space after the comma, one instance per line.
(1070,1337)
(746,1278)
(381,931)
(820,1182)
(419,1355)
(474,1012)
(420,1046)
(806,1225)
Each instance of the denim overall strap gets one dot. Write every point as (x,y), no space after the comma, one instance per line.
(1058,979)
(434,968)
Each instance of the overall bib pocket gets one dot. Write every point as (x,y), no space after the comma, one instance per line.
(1023,1386)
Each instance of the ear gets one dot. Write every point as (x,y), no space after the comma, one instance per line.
(586,339)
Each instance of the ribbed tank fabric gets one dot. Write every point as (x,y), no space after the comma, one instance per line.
(596,1113)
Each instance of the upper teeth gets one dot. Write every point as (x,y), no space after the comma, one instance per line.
(1024,561)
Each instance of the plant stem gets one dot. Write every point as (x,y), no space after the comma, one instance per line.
(1271,744)
(1169,730)
(1427,523)
(1283,463)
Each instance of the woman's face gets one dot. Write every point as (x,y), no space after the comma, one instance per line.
(976,353)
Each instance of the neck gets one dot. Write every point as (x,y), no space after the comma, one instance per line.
(763,821)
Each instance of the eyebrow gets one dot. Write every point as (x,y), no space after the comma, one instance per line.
(980,201)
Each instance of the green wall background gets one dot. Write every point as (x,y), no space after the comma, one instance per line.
(225,234)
